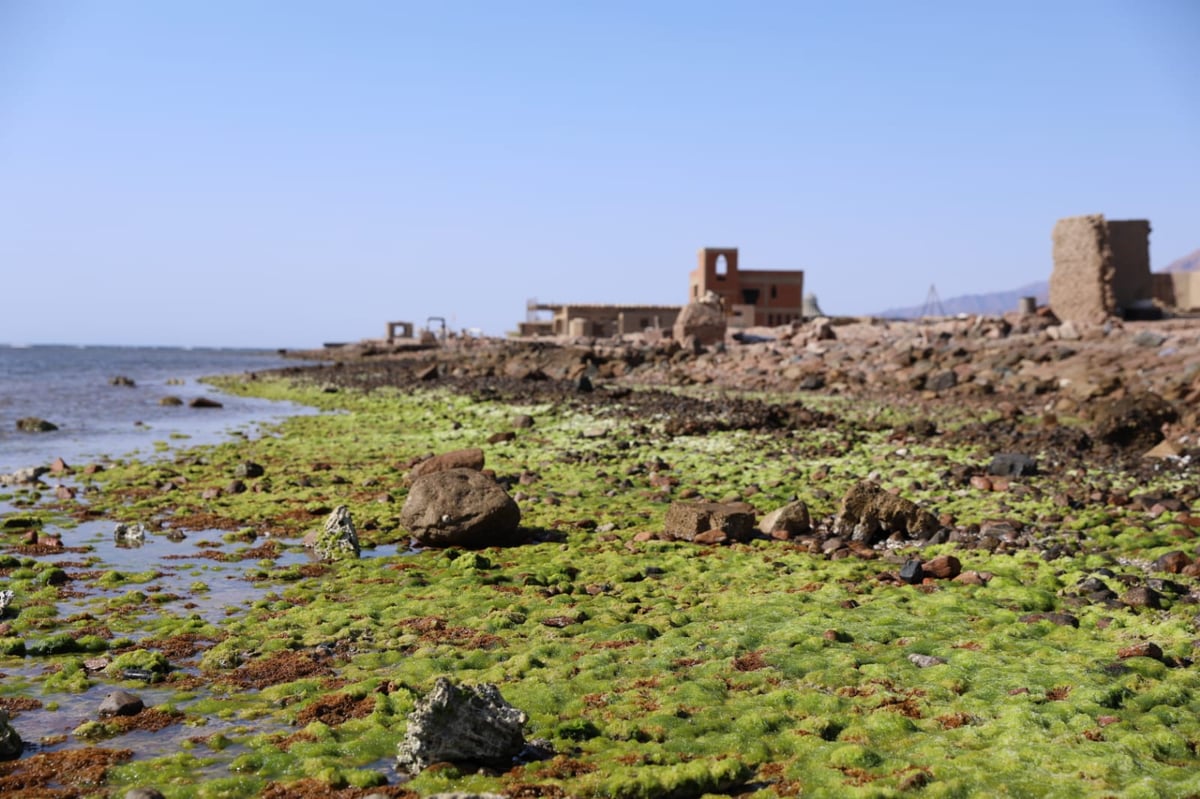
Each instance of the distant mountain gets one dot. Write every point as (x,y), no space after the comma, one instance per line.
(997,302)
(1188,263)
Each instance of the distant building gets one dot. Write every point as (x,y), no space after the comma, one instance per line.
(591,320)
(752,297)
(1178,290)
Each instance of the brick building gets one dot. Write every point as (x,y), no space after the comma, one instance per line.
(752,297)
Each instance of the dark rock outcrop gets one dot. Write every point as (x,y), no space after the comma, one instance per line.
(462,724)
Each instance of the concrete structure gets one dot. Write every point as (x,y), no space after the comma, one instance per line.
(405,329)
(1179,290)
(583,320)
(751,297)
(1101,268)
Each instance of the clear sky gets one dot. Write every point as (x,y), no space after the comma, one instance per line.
(271,173)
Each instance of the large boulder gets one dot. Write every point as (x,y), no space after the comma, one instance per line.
(868,513)
(459,507)
(709,522)
(462,724)
(337,540)
(10,743)
(470,458)
(703,321)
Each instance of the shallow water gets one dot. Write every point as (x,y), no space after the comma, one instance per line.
(70,387)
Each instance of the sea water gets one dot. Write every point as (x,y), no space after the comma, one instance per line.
(71,388)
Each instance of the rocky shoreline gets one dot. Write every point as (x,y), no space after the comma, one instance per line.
(850,557)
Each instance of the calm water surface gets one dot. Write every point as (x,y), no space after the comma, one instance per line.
(69,386)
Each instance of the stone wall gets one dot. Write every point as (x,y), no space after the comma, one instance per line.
(1130,245)
(1100,267)
(1081,285)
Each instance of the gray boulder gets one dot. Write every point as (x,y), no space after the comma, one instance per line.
(462,724)
(337,540)
(459,507)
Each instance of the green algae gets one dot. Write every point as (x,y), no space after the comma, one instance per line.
(663,668)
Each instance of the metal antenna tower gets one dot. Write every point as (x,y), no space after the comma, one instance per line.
(933,304)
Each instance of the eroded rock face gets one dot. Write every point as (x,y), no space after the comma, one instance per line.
(709,522)
(462,724)
(868,513)
(459,507)
(337,540)
(10,743)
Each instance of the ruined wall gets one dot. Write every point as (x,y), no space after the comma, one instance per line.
(1081,285)
(1179,290)
(1100,267)
(1130,244)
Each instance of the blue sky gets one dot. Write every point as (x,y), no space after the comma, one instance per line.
(288,173)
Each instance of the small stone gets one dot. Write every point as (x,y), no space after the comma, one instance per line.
(248,469)
(1146,649)
(1012,464)
(170,401)
(204,402)
(943,567)
(912,572)
(121,703)
(925,661)
(1142,597)
(1172,562)
(32,424)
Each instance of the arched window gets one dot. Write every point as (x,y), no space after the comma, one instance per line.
(721,267)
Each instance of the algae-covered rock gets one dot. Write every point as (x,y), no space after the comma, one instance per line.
(337,540)
(868,511)
(10,743)
(462,724)
(459,507)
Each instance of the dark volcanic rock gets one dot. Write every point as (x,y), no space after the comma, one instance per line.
(462,724)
